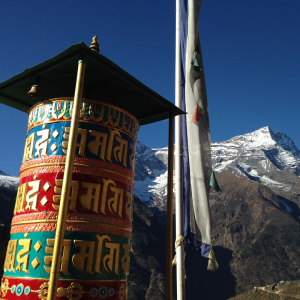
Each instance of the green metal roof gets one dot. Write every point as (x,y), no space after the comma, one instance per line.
(104,81)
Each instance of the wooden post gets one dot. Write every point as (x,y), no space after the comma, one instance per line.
(170,211)
(64,203)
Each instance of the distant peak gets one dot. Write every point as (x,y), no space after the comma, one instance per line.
(266,129)
(263,138)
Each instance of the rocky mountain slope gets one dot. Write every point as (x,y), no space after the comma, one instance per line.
(256,219)
(284,290)
(7,202)
(250,220)
(8,189)
(146,279)
(4,238)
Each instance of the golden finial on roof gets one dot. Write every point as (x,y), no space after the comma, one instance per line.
(95,45)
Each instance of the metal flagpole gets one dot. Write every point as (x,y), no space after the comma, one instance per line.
(180,274)
(170,210)
(64,203)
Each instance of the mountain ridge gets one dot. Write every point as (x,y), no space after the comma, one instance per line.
(8,181)
(262,156)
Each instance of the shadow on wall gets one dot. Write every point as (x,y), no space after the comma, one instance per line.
(203,284)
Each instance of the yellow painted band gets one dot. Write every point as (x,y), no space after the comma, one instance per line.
(79,165)
(69,221)
(87,101)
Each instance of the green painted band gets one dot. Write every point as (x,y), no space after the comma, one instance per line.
(80,61)
(36,258)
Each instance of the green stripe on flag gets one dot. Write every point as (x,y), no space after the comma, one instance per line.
(196,63)
(214,183)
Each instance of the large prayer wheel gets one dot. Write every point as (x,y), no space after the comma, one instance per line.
(96,248)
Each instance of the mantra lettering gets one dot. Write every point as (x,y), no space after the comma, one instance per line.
(99,198)
(109,147)
(92,257)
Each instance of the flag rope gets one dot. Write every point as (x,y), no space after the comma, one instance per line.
(180,241)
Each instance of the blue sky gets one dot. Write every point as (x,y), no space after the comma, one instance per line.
(251,54)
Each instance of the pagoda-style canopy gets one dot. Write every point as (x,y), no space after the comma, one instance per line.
(104,81)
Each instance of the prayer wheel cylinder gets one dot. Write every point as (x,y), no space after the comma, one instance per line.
(96,249)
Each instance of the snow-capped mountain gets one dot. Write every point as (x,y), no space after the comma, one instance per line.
(8,181)
(151,173)
(264,145)
(263,156)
